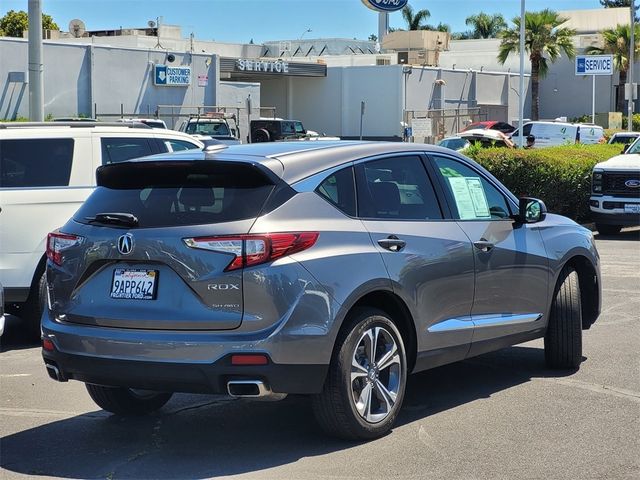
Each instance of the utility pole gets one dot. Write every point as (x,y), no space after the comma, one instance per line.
(521,88)
(36,70)
(632,51)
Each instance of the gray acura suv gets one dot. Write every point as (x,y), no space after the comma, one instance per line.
(331,269)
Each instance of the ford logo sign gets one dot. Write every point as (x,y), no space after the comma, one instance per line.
(385,5)
(633,183)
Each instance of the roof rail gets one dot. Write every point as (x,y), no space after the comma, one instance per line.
(72,124)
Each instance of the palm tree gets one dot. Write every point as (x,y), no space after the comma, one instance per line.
(545,40)
(414,21)
(486,26)
(617,42)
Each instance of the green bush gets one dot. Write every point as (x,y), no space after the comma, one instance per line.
(560,176)
(635,122)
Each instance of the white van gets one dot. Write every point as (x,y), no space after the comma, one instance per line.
(46,171)
(551,134)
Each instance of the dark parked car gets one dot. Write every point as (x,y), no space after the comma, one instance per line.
(330,269)
(273,129)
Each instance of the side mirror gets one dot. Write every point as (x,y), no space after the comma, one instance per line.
(531,210)
(625,148)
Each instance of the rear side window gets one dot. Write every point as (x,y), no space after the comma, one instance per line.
(178,145)
(163,194)
(339,190)
(44,162)
(116,150)
(396,188)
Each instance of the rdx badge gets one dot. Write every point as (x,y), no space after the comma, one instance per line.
(223,286)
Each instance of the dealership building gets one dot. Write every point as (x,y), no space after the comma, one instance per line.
(333,85)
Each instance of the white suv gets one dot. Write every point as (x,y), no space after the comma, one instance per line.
(47,170)
(615,191)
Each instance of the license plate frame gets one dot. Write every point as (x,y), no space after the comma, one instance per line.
(633,208)
(133,284)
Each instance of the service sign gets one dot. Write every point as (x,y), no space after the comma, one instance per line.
(385,5)
(268,66)
(594,65)
(166,76)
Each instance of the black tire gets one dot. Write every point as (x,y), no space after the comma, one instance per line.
(127,402)
(563,339)
(33,308)
(335,408)
(608,229)
(261,136)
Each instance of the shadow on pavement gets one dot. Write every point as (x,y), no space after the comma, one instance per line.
(628,234)
(203,436)
(15,336)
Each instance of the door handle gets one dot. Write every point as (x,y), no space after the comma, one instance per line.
(392,243)
(483,245)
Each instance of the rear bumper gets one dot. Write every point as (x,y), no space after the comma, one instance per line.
(184,377)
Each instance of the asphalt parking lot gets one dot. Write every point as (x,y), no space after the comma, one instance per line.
(501,415)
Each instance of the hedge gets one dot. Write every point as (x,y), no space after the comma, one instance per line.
(560,176)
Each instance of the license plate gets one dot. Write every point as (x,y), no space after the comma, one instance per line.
(632,208)
(134,284)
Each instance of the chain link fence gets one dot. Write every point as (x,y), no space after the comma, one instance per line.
(431,126)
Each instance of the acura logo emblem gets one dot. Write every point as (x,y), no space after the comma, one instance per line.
(125,244)
(633,183)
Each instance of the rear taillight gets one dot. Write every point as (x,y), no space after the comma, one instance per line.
(255,249)
(58,243)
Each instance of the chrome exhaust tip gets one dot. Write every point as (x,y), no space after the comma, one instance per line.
(54,373)
(255,389)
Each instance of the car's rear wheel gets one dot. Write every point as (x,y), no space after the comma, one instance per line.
(608,229)
(31,313)
(563,339)
(365,385)
(127,401)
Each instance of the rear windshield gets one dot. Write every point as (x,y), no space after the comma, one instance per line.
(208,128)
(44,162)
(174,194)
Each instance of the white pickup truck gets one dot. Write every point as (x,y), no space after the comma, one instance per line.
(615,191)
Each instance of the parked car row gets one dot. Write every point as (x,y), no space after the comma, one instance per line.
(534,135)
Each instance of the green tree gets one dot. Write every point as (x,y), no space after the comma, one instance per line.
(545,41)
(14,23)
(617,42)
(485,25)
(414,20)
(373,37)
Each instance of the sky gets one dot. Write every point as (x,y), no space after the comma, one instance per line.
(239,21)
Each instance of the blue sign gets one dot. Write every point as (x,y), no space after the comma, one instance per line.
(594,65)
(166,76)
(385,5)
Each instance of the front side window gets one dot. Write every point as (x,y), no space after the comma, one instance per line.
(44,162)
(396,188)
(339,190)
(116,150)
(471,195)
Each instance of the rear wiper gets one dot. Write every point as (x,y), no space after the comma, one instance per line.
(125,219)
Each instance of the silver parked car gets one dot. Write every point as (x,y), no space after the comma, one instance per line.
(331,269)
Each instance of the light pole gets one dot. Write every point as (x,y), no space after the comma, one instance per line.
(632,51)
(521,88)
(36,69)
(308,30)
